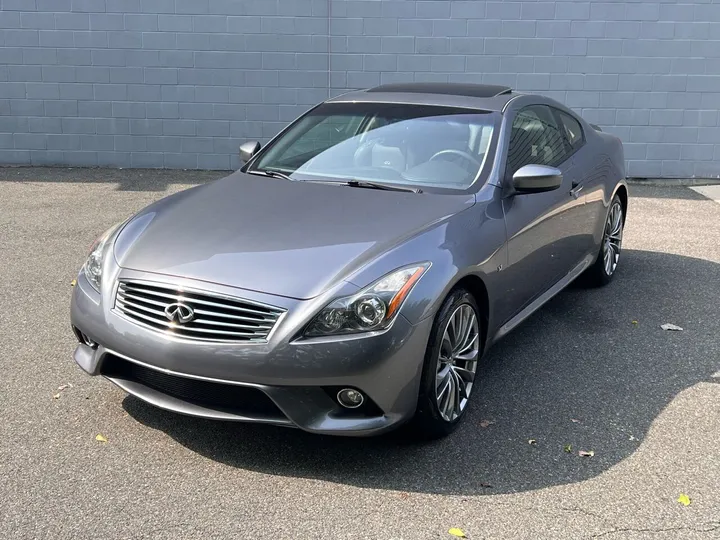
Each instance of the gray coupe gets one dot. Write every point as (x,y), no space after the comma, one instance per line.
(349,277)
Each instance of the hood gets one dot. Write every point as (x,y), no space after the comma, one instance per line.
(293,239)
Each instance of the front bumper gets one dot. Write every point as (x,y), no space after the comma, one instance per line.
(284,381)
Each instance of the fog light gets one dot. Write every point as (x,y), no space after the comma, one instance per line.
(349,398)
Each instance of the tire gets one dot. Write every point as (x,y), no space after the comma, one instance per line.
(431,421)
(603,270)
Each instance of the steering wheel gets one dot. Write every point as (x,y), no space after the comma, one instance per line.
(460,153)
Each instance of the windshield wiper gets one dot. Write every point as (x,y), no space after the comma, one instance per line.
(375,185)
(270,173)
(352,183)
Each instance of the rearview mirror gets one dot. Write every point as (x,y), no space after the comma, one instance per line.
(536,179)
(248,150)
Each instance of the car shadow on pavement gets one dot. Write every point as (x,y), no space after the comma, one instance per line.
(592,370)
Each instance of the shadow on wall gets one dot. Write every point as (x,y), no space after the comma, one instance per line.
(126,179)
(579,372)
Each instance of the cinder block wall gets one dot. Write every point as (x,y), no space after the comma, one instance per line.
(180,83)
(155,83)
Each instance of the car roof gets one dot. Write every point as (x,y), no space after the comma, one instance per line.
(488,97)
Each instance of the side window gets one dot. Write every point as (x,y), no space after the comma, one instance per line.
(573,130)
(535,139)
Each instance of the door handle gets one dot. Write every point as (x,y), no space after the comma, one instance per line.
(576,189)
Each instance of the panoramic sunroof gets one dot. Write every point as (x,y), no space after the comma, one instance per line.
(451,89)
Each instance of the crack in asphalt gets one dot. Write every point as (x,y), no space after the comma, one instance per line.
(575,509)
(586,512)
(707,527)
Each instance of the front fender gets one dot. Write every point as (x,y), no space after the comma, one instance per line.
(470,243)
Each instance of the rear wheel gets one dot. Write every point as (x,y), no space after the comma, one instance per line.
(450,366)
(603,270)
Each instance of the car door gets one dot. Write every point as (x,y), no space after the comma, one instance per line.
(542,228)
(591,171)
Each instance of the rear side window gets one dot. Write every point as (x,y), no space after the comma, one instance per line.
(536,139)
(572,129)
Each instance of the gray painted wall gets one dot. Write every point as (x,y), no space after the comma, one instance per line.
(180,83)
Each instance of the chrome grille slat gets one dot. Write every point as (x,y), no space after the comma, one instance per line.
(178,296)
(270,320)
(131,311)
(159,313)
(162,320)
(231,325)
(218,317)
(126,295)
(174,326)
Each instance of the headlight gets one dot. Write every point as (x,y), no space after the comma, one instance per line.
(373,308)
(93,267)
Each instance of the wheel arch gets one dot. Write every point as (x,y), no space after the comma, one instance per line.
(475,285)
(622,192)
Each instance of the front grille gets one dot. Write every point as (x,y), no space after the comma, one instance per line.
(233,398)
(216,317)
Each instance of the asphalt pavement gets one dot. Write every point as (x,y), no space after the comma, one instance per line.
(591,371)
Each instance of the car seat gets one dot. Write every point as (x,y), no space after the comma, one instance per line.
(386,148)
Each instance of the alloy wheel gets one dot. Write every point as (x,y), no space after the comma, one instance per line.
(457,362)
(612,241)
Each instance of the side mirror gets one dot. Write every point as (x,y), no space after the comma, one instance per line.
(248,150)
(537,179)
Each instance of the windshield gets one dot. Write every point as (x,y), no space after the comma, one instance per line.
(416,145)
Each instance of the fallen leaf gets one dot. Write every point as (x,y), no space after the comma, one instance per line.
(56,396)
(684,499)
(458,533)
(532,441)
(404,495)
(671,327)
(635,322)
(100,438)
(73,282)
(486,423)
(568,448)
(586,453)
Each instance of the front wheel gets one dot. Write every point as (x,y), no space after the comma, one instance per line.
(450,366)
(603,270)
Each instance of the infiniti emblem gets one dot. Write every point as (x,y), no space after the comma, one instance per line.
(180,313)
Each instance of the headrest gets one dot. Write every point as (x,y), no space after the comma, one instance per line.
(388,156)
